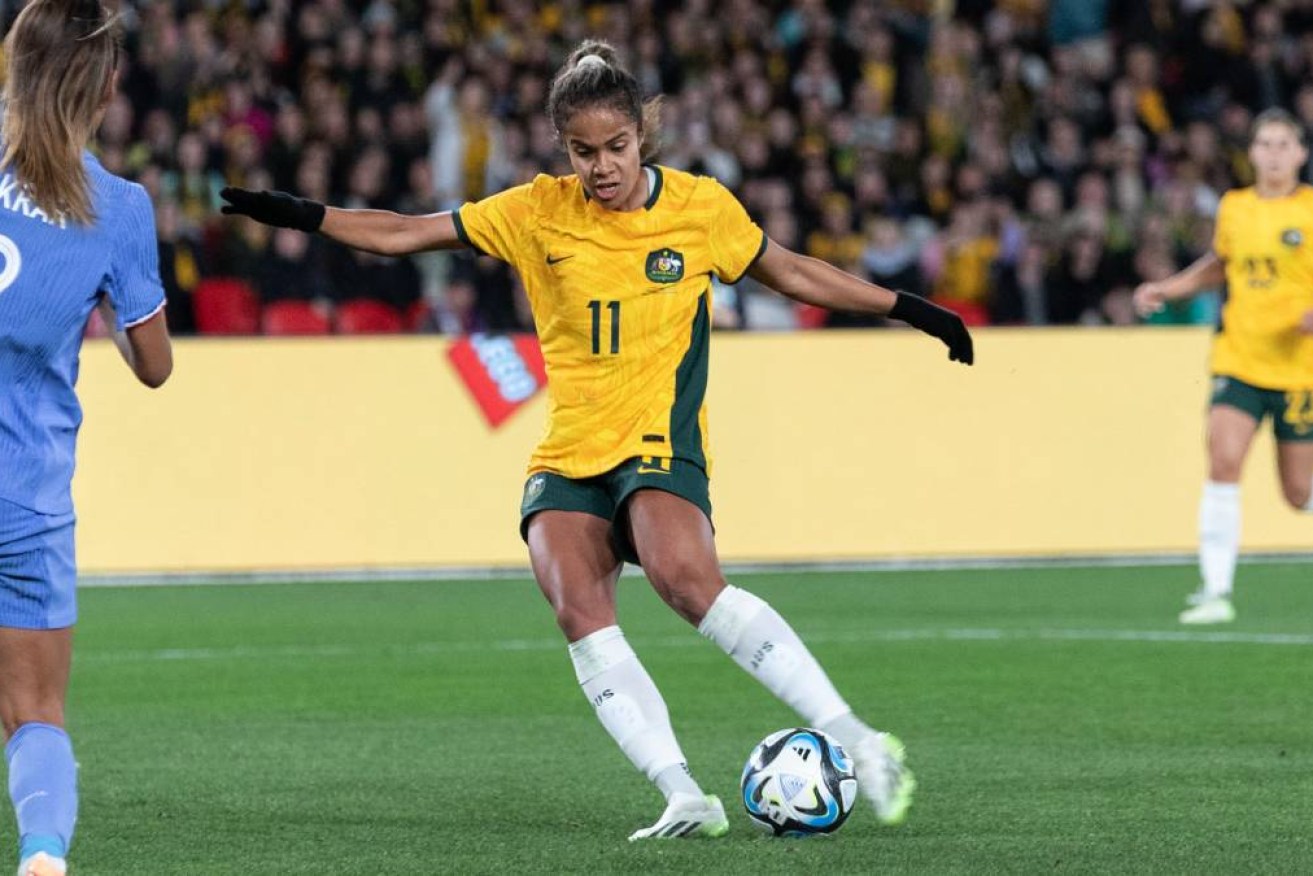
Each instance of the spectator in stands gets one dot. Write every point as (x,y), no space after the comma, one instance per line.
(1075,287)
(905,108)
(294,268)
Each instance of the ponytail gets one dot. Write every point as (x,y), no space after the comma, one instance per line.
(60,58)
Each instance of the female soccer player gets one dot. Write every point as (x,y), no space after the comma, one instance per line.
(617,261)
(71,236)
(1262,360)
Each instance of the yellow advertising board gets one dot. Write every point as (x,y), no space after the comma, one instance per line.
(370,453)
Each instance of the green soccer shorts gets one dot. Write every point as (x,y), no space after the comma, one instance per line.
(1291,410)
(606,495)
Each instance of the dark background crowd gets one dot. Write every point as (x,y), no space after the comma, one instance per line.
(1023,162)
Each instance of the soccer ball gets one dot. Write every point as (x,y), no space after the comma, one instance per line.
(798,782)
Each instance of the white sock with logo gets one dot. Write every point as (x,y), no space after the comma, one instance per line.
(1219,537)
(631,708)
(758,639)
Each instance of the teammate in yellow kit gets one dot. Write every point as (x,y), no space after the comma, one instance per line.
(617,260)
(1262,360)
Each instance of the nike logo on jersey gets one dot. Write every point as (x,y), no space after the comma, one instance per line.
(557,260)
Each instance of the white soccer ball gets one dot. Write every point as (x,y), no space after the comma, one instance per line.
(799,782)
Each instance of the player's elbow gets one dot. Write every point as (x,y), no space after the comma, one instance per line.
(156,376)
(149,351)
(153,370)
(1297,495)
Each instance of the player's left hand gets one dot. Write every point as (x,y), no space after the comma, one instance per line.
(274,208)
(1306,323)
(961,348)
(938,321)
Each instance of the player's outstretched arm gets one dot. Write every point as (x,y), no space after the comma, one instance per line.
(813,281)
(376,231)
(1206,272)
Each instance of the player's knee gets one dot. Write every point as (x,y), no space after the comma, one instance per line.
(1225,468)
(577,620)
(687,584)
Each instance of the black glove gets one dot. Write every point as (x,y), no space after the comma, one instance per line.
(274,208)
(935,320)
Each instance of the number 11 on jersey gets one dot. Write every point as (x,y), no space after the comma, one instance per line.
(613,309)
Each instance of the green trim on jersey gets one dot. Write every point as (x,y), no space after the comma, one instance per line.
(691,389)
(761,251)
(656,187)
(461,233)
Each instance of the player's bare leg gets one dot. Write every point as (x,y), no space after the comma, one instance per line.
(676,544)
(577,569)
(34,668)
(1230,433)
(1295,467)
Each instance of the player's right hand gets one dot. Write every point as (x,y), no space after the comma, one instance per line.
(274,208)
(1149,298)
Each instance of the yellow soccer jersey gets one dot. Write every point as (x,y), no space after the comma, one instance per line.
(1267,244)
(621,301)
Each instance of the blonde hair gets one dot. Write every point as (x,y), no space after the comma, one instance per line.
(593,76)
(60,58)
(1277,116)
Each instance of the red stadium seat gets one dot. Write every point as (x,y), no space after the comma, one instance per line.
(294,318)
(417,316)
(362,316)
(226,306)
(972,314)
(810,316)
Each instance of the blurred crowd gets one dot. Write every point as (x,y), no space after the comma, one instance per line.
(1023,162)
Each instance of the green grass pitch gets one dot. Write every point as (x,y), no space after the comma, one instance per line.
(1059,720)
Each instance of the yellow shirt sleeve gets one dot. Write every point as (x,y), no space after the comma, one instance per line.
(735,240)
(497,224)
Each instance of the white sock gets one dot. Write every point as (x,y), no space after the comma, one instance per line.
(1219,536)
(763,643)
(848,729)
(631,708)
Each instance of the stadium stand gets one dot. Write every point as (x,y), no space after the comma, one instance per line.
(1025,161)
(293,318)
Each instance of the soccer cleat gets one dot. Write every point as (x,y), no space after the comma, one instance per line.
(1217,610)
(43,864)
(1199,597)
(687,816)
(883,777)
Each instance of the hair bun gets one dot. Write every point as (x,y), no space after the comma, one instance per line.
(590,61)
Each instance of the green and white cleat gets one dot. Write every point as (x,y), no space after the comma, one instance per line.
(688,816)
(1217,610)
(883,777)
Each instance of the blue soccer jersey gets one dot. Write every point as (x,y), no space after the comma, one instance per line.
(52,274)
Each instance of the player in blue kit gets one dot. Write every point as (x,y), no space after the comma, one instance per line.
(72,237)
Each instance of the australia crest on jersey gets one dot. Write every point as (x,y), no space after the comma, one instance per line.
(534,488)
(665,266)
(1292,237)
